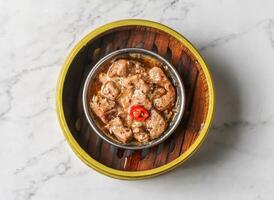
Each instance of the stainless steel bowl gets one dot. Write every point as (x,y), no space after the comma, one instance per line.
(174,77)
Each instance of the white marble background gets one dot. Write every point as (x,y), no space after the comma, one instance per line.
(235,37)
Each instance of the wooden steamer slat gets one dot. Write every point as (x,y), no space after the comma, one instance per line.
(148,161)
(120,40)
(189,84)
(83,126)
(196,115)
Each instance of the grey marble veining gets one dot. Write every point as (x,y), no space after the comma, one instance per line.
(236,38)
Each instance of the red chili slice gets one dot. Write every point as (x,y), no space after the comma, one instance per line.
(138,113)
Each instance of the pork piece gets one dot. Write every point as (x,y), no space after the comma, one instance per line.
(109,115)
(158,92)
(136,81)
(125,98)
(122,133)
(139,98)
(119,68)
(158,77)
(168,114)
(138,132)
(103,107)
(123,114)
(137,68)
(138,91)
(110,90)
(166,101)
(141,85)
(103,77)
(141,136)
(156,124)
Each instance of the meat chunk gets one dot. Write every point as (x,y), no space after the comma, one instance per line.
(122,133)
(103,77)
(166,101)
(125,117)
(141,136)
(138,132)
(137,68)
(137,125)
(102,107)
(158,92)
(158,77)
(139,90)
(156,124)
(139,98)
(141,85)
(136,81)
(168,114)
(110,90)
(119,68)
(109,115)
(125,99)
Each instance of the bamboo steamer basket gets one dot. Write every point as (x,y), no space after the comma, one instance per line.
(199,106)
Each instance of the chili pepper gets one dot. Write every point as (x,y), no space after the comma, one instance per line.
(138,113)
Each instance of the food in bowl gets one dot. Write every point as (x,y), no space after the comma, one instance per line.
(132,98)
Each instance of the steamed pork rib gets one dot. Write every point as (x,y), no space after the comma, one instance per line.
(122,133)
(139,98)
(126,98)
(140,91)
(102,107)
(119,68)
(139,133)
(135,100)
(156,124)
(158,92)
(158,77)
(110,90)
(141,136)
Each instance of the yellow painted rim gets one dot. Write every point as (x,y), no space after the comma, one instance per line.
(84,156)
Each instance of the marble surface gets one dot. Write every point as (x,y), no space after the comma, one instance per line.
(236,39)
